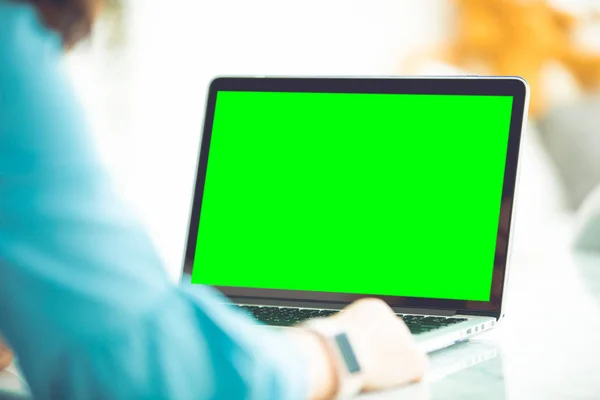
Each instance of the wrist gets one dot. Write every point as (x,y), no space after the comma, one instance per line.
(323,376)
(342,353)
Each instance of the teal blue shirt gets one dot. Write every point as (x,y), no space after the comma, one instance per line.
(84,299)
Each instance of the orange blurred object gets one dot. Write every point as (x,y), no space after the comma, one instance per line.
(519,37)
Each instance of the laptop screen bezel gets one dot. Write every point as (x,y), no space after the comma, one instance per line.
(485,86)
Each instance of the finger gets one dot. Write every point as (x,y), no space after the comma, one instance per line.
(420,365)
(371,308)
(5,358)
(369,302)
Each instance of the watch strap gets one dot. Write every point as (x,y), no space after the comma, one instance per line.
(349,373)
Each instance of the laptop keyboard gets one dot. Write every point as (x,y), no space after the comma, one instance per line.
(284,316)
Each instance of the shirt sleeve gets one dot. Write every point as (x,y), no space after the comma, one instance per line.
(84,300)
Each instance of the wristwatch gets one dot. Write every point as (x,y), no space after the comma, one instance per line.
(349,372)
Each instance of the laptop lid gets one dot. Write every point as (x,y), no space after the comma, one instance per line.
(326,190)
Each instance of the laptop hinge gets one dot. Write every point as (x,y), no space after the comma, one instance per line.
(335,306)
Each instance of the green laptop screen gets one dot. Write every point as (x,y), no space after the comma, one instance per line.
(375,194)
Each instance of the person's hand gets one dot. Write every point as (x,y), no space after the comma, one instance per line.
(384,347)
(6,356)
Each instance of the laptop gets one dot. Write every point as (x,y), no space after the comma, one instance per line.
(314,192)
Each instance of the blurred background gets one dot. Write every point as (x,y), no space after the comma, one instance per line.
(144,75)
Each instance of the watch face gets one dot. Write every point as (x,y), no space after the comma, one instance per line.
(347,352)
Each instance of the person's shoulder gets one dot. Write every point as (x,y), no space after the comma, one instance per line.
(34,82)
(24,40)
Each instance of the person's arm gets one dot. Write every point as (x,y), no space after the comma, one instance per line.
(84,300)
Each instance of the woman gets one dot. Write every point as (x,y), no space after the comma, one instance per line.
(84,301)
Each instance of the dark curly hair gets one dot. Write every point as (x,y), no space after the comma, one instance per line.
(72,19)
